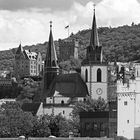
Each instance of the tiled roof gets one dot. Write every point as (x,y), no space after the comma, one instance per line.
(31,107)
(68,85)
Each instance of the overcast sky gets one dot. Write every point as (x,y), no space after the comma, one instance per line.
(27,21)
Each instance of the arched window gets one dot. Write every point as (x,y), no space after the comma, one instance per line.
(53,63)
(62,102)
(99,75)
(86,75)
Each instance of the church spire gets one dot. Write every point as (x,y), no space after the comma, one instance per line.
(51,57)
(51,65)
(94,40)
(94,50)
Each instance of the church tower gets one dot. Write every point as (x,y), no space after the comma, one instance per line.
(51,64)
(94,70)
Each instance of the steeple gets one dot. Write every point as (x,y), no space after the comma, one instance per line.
(94,40)
(94,50)
(51,65)
(51,57)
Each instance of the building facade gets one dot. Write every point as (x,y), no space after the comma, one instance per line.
(128,98)
(27,63)
(93,69)
(68,49)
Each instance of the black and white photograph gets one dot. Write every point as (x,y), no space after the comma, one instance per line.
(70,69)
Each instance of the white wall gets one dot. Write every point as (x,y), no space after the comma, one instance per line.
(65,111)
(126,115)
(92,80)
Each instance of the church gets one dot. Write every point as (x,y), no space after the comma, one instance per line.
(94,71)
(60,91)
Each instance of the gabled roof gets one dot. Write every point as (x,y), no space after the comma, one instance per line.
(31,107)
(51,57)
(30,55)
(68,85)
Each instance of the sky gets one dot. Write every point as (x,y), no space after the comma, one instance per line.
(27,21)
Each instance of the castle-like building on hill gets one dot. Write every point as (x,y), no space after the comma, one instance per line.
(128,100)
(27,63)
(93,70)
(68,49)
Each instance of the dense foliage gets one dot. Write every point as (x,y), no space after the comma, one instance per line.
(90,105)
(119,44)
(15,122)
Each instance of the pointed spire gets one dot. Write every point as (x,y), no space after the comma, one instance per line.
(51,57)
(94,40)
(20,49)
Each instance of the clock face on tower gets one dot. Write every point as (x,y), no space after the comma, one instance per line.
(99,91)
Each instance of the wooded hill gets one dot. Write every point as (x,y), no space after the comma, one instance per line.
(119,44)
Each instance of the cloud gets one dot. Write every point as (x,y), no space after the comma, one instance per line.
(60,5)
(118,12)
(30,24)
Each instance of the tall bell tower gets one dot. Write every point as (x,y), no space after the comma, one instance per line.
(94,70)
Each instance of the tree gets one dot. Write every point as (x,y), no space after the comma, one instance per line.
(41,127)
(15,122)
(29,89)
(90,105)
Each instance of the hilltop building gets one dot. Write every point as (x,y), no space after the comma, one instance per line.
(68,49)
(128,98)
(93,70)
(27,63)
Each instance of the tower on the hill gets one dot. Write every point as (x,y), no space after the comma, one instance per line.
(68,49)
(93,70)
(51,64)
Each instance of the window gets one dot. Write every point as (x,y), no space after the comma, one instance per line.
(53,63)
(99,75)
(125,102)
(86,75)
(62,102)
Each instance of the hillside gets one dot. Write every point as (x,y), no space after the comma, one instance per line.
(119,44)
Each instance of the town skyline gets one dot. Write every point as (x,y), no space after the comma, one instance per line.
(28,22)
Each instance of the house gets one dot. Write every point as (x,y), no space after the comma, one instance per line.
(27,63)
